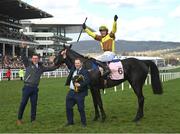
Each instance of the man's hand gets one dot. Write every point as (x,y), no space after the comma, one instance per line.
(63,53)
(77,84)
(115,17)
(23,45)
(84,26)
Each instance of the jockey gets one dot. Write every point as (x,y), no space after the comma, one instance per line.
(107,42)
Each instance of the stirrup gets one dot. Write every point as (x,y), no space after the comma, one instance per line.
(105,74)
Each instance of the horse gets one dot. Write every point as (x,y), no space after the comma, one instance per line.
(135,72)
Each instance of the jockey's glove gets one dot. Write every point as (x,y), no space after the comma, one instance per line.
(84,26)
(115,17)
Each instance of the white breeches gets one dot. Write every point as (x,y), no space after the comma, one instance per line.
(106,56)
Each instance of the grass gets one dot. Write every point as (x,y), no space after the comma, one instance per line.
(162,112)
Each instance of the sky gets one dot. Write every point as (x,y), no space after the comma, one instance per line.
(157,20)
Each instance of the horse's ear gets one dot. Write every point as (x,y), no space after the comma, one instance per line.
(64,46)
(70,46)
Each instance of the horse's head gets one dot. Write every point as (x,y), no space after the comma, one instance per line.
(65,53)
(60,58)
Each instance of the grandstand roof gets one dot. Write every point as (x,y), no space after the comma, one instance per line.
(20,10)
(46,25)
(67,28)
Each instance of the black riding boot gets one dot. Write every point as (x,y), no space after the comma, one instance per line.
(106,70)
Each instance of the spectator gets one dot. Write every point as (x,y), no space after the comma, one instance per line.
(8,74)
(21,74)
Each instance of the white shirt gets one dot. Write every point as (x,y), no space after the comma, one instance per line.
(36,65)
(71,83)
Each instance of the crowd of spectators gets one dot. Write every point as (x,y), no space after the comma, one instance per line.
(8,61)
(12,62)
(13,34)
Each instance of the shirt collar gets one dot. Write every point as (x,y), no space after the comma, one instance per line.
(79,68)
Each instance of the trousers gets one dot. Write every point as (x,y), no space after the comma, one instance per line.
(32,93)
(73,98)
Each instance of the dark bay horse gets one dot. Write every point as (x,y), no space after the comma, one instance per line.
(135,72)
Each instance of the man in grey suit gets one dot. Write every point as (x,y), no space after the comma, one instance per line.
(34,70)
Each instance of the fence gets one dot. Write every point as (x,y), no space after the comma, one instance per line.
(163,76)
(64,72)
(52,74)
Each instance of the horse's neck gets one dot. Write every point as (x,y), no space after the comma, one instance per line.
(72,55)
(75,54)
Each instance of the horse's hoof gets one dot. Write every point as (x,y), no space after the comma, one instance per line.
(103,119)
(135,120)
(95,118)
(138,118)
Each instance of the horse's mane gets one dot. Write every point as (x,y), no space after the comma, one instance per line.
(76,53)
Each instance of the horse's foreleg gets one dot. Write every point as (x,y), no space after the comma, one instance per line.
(100,104)
(95,105)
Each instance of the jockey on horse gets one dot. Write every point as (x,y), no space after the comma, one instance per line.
(107,42)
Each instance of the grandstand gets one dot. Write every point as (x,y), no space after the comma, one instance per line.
(11,12)
(49,35)
(17,26)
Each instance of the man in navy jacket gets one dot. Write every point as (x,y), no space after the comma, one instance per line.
(76,97)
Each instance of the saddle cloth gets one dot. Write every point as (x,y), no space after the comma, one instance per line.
(117,72)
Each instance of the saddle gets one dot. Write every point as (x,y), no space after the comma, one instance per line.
(115,66)
(117,71)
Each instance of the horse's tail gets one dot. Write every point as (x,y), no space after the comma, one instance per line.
(155,79)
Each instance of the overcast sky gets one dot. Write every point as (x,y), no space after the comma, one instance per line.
(138,19)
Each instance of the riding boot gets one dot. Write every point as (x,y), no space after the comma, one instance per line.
(106,70)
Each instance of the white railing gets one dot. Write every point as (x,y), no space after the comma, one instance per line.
(57,73)
(14,74)
(64,72)
(163,76)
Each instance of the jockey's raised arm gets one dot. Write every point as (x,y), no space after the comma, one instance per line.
(107,42)
(89,32)
(114,28)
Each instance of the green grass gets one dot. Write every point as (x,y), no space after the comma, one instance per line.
(162,112)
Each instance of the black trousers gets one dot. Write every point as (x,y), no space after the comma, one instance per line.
(32,93)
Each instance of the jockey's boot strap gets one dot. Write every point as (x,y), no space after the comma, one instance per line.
(106,72)
(106,69)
